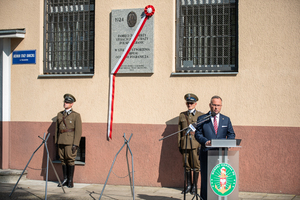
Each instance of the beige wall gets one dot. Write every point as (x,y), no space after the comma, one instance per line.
(261,100)
(268,70)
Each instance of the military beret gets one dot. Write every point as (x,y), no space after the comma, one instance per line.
(69,98)
(190,97)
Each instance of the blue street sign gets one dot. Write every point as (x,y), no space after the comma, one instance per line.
(24,57)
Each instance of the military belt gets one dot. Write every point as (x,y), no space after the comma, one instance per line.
(67,130)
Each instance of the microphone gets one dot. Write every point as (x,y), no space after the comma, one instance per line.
(194,125)
(208,116)
(213,113)
(202,120)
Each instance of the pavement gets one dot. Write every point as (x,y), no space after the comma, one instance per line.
(36,189)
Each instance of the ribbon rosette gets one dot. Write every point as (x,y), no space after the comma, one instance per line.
(149,10)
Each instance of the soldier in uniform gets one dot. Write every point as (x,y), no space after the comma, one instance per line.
(67,136)
(187,144)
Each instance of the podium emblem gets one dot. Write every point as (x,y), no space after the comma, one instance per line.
(223,179)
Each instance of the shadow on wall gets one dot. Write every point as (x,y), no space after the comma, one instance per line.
(15,43)
(171,173)
(52,152)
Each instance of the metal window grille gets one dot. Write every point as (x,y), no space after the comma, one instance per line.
(206,36)
(69,36)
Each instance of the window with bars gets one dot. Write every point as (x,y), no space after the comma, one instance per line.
(207,36)
(69,36)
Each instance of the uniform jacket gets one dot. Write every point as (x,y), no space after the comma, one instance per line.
(73,121)
(205,131)
(183,123)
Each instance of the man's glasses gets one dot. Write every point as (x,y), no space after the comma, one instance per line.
(216,105)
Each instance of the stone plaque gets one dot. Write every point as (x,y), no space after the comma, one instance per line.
(124,23)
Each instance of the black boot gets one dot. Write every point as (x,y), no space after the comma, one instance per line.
(195,181)
(70,175)
(65,174)
(188,183)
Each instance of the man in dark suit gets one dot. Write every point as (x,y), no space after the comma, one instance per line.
(68,132)
(217,127)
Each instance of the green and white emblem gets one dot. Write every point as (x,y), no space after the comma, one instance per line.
(223,179)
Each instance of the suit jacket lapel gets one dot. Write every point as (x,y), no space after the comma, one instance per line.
(212,126)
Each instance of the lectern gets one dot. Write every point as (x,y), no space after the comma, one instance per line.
(223,170)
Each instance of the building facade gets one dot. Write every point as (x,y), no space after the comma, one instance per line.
(245,51)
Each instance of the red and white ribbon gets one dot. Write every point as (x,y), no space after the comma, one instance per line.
(149,11)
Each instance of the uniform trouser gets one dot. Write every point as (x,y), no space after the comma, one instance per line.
(192,160)
(65,154)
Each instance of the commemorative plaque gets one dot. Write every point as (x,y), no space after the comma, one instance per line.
(123,26)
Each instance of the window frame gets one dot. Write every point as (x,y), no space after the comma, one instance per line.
(192,69)
(69,64)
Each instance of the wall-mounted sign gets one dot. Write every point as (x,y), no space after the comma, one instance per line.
(24,57)
(123,26)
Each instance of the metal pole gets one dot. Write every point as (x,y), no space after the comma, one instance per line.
(129,170)
(132,166)
(185,161)
(25,169)
(47,166)
(46,146)
(195,124)
(55,171)
(113,165)
(193,169)
(56,175)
